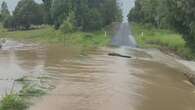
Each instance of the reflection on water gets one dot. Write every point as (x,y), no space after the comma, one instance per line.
(98,81)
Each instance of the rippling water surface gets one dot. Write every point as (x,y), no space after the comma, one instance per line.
(96,81)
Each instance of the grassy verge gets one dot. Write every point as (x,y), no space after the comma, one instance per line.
(150,37)
(47,34)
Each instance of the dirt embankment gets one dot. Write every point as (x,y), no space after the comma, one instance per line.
(191,72)
(174,61)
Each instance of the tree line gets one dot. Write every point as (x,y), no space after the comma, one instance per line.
(169,14)
(84,15)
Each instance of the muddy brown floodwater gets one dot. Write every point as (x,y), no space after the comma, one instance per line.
(96,81)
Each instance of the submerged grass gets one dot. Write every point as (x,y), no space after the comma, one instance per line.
(47,34)
(20,101)
(13,102)
(150,37)
(31,91)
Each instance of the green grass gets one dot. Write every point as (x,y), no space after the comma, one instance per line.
(13,102)
(21,100)
(47,34)
(150,37)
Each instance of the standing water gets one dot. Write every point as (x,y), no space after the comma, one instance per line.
(96,81)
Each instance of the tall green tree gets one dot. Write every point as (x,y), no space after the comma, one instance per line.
(176,14)
(150,11)
(96,12)
(110,11)
(28,13)
(60,10)
(182,13)
(89,14)
(4,11)
(86,15)
(93,20)
(47,7)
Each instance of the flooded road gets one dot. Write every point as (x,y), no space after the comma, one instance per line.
(96,81)
(123,36)
(92,80)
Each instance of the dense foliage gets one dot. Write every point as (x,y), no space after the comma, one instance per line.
(175,14)
(85,15)
(153,12)
(89,14)
(4,14)
(182,13)
(27,13)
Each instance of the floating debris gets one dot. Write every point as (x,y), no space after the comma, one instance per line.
(119,55)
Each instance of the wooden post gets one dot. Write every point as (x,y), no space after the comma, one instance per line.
(105,33)
(142,34)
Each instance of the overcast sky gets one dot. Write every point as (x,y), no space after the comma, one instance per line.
(12,3)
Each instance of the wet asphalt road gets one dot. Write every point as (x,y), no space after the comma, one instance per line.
(124,37)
